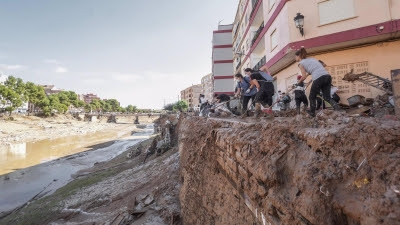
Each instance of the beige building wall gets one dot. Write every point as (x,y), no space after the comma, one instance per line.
(345,34)
(360,13)
(207,87)
(191,95)
(378,59)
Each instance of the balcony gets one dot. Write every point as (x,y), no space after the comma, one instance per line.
(238,65)
(260,64)
(257,34)
(254,5)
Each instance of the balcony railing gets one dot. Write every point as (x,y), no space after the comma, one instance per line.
(254,4)
(260,63)
(238,65)
(257,34)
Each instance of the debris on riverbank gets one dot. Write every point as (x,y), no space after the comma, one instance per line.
(31,128)
(124,189)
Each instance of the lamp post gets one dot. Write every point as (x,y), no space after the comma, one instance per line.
(299,21)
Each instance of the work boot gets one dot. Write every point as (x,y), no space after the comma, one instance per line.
(257,112)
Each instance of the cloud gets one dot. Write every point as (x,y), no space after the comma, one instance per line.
(125,77)
(61,69)
(154,75)
(94,81)
(11,67)
(51,61)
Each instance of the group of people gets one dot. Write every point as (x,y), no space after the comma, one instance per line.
(258,86)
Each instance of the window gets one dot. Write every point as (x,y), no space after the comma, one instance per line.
(271,3)
(274,40)
(331,11)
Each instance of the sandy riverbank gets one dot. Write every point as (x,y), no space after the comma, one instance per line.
(31,128)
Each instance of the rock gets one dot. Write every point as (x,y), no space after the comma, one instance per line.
(149,200)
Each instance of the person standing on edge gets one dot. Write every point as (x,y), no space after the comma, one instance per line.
(202,101)
(265,89)
(321,79)
(300,95)
(248,73)
(245,91)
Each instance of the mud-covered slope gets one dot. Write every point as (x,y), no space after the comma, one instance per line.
(331,170)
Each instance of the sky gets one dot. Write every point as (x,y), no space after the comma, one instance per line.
(140,52)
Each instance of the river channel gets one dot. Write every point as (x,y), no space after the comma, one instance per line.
(50,171)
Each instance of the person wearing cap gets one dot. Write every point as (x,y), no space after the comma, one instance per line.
(300,95)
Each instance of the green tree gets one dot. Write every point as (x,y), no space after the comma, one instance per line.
(131,109)
(44,105)
(180,106)
(12,93)
(34,94)
(121,109)
(11,99)
(114,105)
(15,84)
(95,105)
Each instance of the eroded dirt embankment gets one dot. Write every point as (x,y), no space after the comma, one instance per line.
(331,170)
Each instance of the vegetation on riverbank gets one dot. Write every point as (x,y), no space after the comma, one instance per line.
(15,92)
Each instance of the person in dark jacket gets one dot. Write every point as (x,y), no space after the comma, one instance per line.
(300,95)
(265,89)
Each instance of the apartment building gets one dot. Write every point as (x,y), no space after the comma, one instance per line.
(88,98)
(50,89)
(222,60)
(207,87)
(191,95)
(363,35)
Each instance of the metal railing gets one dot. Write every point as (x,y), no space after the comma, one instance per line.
(238,65)
(257,34)
(254,3)
(260,63)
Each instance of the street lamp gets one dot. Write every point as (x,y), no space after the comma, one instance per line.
(299,21)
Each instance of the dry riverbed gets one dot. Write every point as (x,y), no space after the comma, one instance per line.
(31,128)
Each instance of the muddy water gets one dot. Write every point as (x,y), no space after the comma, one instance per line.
(48,174)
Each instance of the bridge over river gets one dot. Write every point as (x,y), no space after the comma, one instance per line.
(135,118)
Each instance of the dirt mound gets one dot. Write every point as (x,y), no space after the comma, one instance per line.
(330,170)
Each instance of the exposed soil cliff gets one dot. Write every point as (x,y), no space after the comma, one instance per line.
(329,170)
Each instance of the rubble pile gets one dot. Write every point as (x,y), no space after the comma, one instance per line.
(334,169)
(381,106)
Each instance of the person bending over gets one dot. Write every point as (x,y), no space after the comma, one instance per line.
(321,79)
